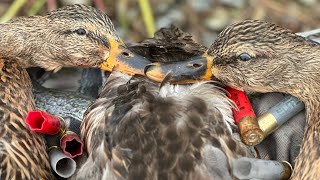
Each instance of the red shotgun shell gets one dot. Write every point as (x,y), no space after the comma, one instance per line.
(71,144)
(43,122)
(245,118)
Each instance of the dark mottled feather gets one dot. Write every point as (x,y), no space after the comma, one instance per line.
(169,45)
(154,133)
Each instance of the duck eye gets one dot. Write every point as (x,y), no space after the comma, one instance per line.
(81,31)
(244,57)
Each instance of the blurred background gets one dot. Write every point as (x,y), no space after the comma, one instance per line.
(136,20)
(204,19)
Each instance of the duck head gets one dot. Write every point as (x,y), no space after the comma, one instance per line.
(72,36)
(249,55)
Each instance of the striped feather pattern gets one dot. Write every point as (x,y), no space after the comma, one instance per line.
(22,152)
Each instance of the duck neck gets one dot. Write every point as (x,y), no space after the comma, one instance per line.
(24,39)
(312,111)
(302,79)
(307,162)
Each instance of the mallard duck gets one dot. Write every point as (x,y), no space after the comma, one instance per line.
(76,36)
(263,57)
(139,130)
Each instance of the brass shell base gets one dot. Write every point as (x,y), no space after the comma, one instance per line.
(250,132)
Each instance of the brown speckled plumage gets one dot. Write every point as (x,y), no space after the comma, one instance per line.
(50,42)
(136,130)
(22,152)
(169,45)
(280,62)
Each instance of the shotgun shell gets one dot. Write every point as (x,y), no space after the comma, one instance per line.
(245,118)
(42,122)
(279,114)
(250,168)
(71,144)
(61,164)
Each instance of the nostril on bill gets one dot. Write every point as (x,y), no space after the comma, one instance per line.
(196,65)
(126,54)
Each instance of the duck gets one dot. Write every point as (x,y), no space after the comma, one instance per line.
(140,129)
(258,56)
(72,36)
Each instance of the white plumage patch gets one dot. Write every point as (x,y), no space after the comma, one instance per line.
(211,94)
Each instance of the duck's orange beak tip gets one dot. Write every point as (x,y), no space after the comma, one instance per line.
(154,72)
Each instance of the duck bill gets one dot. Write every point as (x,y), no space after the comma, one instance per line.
(183,72)
(123,60)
